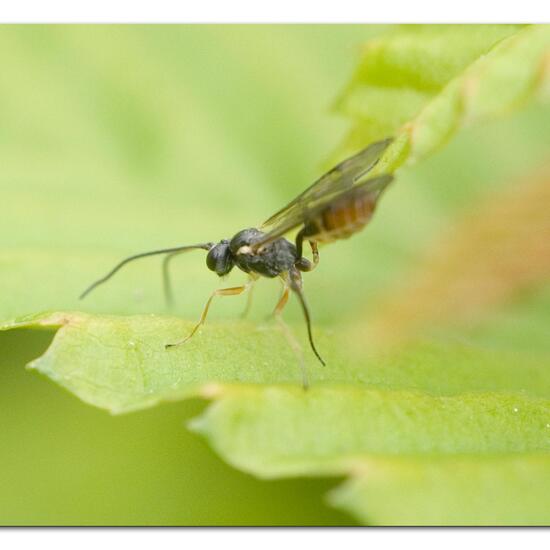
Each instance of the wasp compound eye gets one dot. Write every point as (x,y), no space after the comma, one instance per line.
(219,259)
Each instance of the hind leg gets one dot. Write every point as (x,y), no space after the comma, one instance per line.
(290,338)
(303,264)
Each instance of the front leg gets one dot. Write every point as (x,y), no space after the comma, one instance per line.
(233,291)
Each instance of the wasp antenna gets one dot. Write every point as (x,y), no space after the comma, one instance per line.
(203,246)
(166,281)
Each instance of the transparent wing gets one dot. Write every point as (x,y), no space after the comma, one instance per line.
(307,212)
(341,177)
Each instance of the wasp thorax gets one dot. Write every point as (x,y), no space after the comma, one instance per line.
(240,243)
(245,249)
(220,259)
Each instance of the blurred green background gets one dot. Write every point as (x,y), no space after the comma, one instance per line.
(236,115)
(233,121)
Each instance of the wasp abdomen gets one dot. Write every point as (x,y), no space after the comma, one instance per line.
(341,220)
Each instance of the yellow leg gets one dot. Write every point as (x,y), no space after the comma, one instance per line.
(233,291)
(303,264)
(253,279)
(315,253)
(282,301)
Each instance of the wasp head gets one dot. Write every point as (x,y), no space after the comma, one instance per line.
(220,259)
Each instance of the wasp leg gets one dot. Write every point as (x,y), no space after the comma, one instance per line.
(253,279)
(300,242)
(315,253)
(290,338)
(295,280)
(234,291)
(303,264)
(282,300)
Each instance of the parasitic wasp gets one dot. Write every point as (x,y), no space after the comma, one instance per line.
(336,206)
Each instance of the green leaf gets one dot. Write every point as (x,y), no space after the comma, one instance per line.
(503,490)
(471,410)
(425,84)
(401,71)
(437,429)
(331,426)
(120,364)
